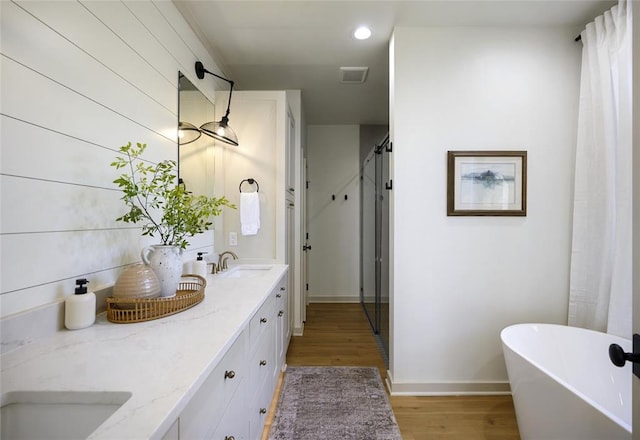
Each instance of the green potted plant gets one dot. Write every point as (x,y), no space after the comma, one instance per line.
(165,210)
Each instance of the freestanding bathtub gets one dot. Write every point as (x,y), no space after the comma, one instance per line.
(564,386)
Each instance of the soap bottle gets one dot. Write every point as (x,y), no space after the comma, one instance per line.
(187,267)
(200,266)
(80,308)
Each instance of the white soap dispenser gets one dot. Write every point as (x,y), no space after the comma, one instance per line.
(80,308)
(187,267)
(200,266)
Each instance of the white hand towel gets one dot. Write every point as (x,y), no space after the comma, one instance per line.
(249,213)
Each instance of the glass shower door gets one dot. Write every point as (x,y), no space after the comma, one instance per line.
(374,251)
(382,247)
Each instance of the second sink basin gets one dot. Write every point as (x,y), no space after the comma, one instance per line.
(246,271)
(56,414)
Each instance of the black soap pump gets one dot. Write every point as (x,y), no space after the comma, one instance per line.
(80,308)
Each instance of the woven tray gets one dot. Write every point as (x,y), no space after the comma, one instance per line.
(126,310)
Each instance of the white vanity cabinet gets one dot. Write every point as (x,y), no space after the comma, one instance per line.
(233,402)
(283,323)
(206,408)
(209,372)
(265,364)
(174,432)
(233,425)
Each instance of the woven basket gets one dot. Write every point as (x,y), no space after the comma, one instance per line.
(126,310)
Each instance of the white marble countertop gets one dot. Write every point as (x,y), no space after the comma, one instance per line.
(162,363)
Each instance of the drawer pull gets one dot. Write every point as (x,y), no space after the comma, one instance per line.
(263,320)
(282,288)
(229,374)
(229,437)
(278,295)
(263,363)
(280,313)
(263,410)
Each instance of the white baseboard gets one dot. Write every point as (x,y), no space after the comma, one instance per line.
(298,331)
(447,388)
(333,299)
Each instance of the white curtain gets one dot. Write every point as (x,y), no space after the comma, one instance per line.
(600,285)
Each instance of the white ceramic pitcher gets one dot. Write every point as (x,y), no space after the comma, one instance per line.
(166,262)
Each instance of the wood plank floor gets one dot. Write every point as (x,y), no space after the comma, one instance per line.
(339,334)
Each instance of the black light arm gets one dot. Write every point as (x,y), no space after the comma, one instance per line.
(218,130)
(200,71)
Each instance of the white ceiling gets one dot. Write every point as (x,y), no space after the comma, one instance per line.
(290,44)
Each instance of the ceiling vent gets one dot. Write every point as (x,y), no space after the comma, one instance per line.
(353,75)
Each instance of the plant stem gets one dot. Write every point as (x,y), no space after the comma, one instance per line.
(143,206)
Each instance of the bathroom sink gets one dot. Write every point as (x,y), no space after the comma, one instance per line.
(56,414)
(246,271)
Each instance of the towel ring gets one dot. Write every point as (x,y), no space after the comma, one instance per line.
(251,181)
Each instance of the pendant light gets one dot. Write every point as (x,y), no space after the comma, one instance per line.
(187,133)
(218,130)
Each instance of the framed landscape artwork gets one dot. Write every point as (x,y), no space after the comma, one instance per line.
(490,183)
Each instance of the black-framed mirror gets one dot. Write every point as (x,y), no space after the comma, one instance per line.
(196,153)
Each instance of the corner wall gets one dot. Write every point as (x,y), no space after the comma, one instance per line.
(458,281)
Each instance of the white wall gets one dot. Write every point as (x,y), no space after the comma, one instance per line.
(333,154)
(258,118)
(80,79)
(459,280)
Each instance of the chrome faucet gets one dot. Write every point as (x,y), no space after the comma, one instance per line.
(222,262)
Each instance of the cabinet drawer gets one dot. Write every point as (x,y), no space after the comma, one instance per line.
(282,327)
(261,321)
(205,409)
(281,296)
(259,408)
(282,311)
(234,424)
(262,362)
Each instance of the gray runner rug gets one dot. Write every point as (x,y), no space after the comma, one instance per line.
(333,403)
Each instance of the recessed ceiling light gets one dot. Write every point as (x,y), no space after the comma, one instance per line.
(362,33)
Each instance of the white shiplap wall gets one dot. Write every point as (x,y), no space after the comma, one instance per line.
(78,80)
